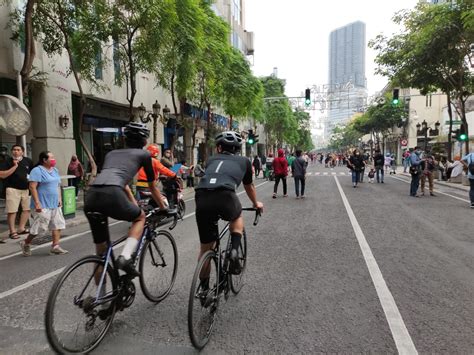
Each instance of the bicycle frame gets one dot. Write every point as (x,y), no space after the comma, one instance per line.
(109,258)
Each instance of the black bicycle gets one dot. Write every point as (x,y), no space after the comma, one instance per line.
(204,297)
(83,300)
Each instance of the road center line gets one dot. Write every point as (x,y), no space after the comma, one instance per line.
(436,190)
(399,331)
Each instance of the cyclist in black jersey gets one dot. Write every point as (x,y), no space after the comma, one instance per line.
(111,196)
(216,197)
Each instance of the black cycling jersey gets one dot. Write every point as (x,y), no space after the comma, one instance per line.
(226,172)
(122,165)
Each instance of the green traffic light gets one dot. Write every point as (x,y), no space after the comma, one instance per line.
(463,137)
(395,101)
(307,102)
(250,141)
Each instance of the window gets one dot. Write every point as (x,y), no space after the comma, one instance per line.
(428,100)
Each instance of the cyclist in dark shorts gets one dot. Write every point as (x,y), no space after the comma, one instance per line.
(216,197)
(111,196)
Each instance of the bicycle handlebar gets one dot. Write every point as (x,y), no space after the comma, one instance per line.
(258,213)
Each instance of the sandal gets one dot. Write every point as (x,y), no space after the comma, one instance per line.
(25,231)
(13,235)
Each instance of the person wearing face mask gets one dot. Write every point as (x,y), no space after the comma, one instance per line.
(46,204)
(356,164)
(415,171)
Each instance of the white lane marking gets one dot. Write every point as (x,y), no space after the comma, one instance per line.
(399,331)
(310,174)
(342,173)
(333,173)
(318,173)
(58,271)
(65,239)
(435,190)
(325,173)
(30,283)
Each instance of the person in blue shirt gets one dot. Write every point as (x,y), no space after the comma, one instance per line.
(467,160)
(46,204)
(415,171)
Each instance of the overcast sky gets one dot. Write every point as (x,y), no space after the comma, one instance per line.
(293,36)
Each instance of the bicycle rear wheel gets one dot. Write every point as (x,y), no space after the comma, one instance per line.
(203,303)
(74,321)
(236,281)
(158,266)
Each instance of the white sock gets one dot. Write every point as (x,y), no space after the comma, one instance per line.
(129,248)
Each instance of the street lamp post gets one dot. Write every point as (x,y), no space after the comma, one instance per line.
(155,115)
(422,130)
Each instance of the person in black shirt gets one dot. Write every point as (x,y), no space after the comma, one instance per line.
(356,164)
(216,197)
(111,196)
(15,171)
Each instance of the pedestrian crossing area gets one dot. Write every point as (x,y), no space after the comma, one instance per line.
(328,173)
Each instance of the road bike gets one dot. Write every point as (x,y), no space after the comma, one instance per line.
(204,300)
(85,297)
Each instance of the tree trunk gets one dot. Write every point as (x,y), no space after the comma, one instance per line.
(450,114)
(464,123)
(30,51)
(133,82)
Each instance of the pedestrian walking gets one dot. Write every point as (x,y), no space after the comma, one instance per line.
(75,168)
(406,160)
(393,165)
(428,166)
(468,161)
(356,163)
(378,163)
(371,175)
(415,171)
(199,170)
(257,165)
(388,162)
(280,167)
(291,158)
(298,170)
(46,204)
(15,171)
(365,157)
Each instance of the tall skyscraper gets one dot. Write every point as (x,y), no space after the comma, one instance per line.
(347,82)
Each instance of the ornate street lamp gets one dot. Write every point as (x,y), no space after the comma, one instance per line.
(154,115)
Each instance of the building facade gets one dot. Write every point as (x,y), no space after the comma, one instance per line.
(347,91)
(106,111)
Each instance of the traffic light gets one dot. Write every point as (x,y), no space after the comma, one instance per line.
(251,137)
(307,97)
(462,136)
(395,99)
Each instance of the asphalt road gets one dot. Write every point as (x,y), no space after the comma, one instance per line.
(345,270)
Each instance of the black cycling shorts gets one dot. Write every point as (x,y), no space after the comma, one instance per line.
(212,205)
(110,201)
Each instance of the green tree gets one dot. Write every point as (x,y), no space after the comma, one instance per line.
(278,118)
(431,53)
(176,68)
(141,31)
(77,29)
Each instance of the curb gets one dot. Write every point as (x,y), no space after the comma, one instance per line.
(460,187)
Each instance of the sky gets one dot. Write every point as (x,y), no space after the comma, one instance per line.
(293,35)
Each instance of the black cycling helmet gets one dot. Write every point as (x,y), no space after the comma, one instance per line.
(229,140)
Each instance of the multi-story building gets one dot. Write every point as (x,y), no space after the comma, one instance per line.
(106,111)
(347,89)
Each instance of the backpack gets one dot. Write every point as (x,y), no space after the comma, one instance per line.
(470,167)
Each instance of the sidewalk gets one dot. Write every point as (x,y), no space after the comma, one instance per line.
(10,246)
(438,182)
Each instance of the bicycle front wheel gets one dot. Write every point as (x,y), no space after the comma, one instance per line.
(76,320)
(158,266)
(203,300)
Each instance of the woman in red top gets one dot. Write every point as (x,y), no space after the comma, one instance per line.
(280,167)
